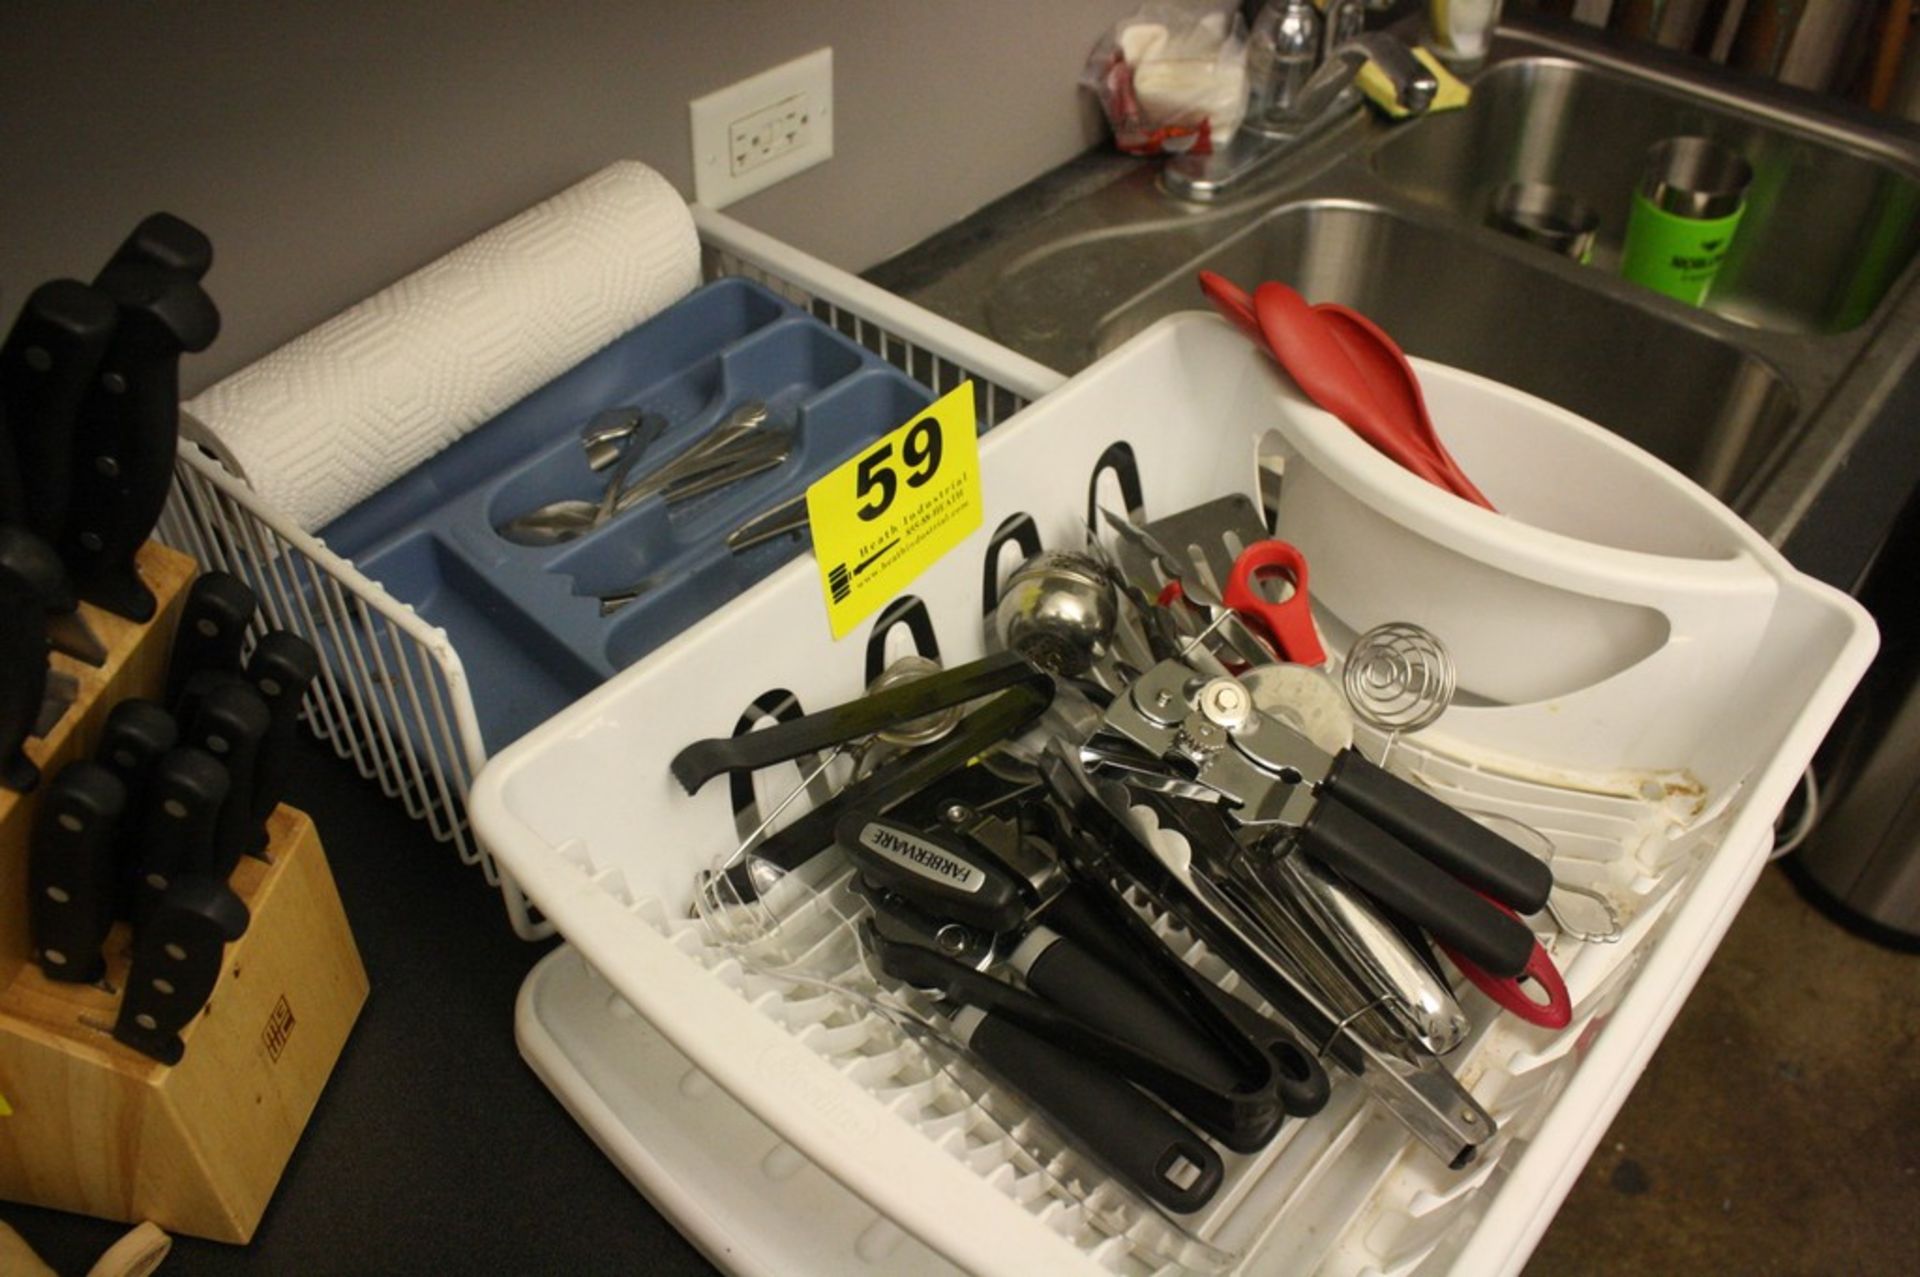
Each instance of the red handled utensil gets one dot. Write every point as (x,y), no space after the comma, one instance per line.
(1288,623)
(1386,366)
(1352,370)
(1511,991)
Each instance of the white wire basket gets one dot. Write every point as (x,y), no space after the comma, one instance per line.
(393,696)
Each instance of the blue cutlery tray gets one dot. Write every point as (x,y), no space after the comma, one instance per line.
(526,620)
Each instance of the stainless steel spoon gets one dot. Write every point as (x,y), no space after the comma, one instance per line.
(572,517)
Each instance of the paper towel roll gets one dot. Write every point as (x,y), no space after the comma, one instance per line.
(336,414)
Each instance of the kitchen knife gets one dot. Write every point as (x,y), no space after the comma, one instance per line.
(213,623)
(23,679)
(33,560)
(70,871)
(177,955)
(46,366)
(161,239)
(229,721)
(137,732)
(128,429)
(13,491)
(177,826)
(282,668)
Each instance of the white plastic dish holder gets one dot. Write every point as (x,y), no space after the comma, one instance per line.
(584,814)
(393,695)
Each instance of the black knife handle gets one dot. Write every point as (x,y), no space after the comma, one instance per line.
(32,561)
(129,427)
(163,240)
(137,732)
(177,955)
(1069,976)
(183,799)
(46,366)
(229,722)
(13,489)
(23,679)
(70,871)
(1120,1126)
(281,668)
(1451,839)
(1376,862)
(213,624)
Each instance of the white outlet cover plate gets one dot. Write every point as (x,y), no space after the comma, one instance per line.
(715,183)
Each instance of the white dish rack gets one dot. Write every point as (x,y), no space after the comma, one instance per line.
(393,695)
(786,1129)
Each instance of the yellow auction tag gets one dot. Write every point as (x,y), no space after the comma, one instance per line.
(885,516)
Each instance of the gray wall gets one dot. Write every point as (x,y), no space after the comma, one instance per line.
(329,148)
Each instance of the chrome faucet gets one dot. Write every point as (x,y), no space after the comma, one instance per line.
(1302,59)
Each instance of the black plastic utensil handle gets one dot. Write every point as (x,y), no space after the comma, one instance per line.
(1093,918)
(1379,864)
(35,564)
(70,871)
(13,490)
(701,761)
(213,623)
(1451,839)
(138,731)
(943,873)
(46,365)
(177,956)
(1071,977)
(23,680)
(1133,1136)
(1003,717)
(182,808)
(128,431)
(170,242)
(282,668)
(230,720)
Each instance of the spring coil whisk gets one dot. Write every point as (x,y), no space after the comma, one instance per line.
(1398,677)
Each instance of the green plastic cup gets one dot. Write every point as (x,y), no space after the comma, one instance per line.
(1684,217)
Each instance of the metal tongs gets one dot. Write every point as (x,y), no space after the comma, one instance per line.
(1193,877)
(1395,842)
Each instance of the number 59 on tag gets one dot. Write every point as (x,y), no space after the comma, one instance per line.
(889,512)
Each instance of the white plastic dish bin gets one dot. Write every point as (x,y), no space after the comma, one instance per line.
(393,695)
(583,813)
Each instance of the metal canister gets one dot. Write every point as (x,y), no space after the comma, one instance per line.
(1550,216)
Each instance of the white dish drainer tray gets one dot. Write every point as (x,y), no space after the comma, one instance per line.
(393,695)
(583,814)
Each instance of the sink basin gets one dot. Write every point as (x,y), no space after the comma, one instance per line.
(1829,225)
(1803,362)
(1697,401)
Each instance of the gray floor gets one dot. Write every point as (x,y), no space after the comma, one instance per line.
(1777,1130)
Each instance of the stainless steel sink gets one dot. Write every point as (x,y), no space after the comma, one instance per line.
(1685,394)
(1761,395)
(1830,220)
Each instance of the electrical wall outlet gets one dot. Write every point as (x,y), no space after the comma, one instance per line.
(762,130)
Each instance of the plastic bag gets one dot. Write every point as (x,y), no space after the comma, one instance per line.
(1171,79)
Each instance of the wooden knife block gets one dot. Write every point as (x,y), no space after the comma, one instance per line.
(92,1126)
